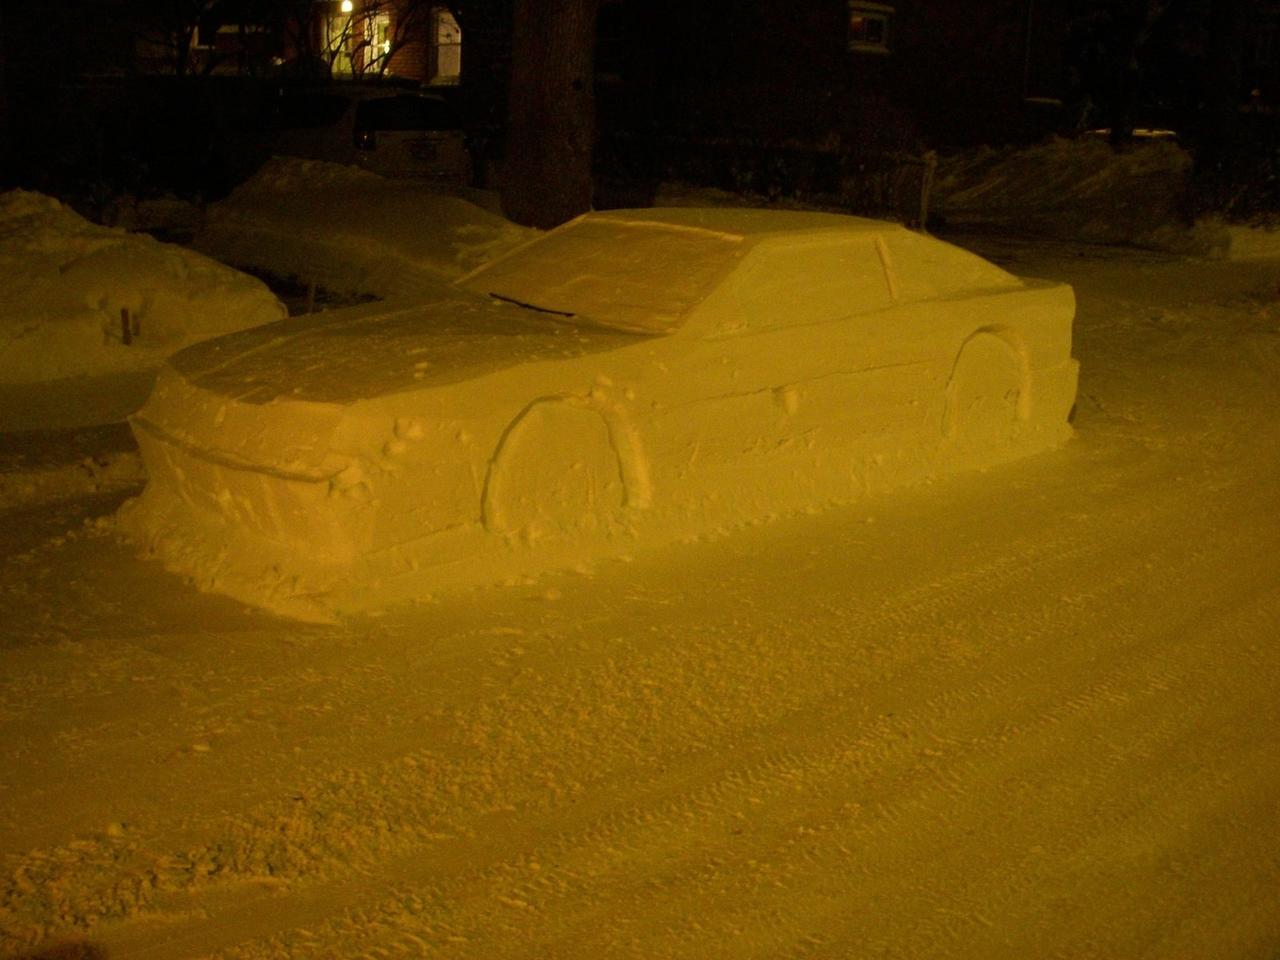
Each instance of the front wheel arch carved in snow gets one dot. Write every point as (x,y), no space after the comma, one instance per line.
(988,393)
(566,467)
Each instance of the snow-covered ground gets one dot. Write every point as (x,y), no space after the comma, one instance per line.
(1030,712)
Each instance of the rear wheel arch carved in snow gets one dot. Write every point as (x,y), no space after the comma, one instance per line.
(988,392)
(565,467)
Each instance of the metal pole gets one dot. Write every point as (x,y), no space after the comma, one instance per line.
(1026,51)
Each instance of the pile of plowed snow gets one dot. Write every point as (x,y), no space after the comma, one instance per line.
(82,299)
(1081,189)
(349,231)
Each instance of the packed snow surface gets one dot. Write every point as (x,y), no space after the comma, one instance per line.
(77,299)
(1025,712)
(350,231)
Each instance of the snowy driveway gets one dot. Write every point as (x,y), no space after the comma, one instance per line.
(1028,713)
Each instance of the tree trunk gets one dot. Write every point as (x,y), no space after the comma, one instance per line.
(6,131)
(1131,25)
(546,177)
(1222,94)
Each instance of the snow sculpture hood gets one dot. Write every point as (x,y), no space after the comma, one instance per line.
(366,352)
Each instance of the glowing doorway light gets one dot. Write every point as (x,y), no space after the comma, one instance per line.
(347,6)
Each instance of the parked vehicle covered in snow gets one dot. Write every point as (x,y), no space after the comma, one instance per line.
(393,132)
(630,377)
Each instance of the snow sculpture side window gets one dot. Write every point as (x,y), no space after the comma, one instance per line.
(869,26)
(789,282)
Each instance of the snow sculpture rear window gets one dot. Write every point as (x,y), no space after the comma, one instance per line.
(791,281)
(633,276)
(926,268)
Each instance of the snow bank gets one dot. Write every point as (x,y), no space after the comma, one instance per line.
(1253,243)
(1082,189)
(350,231)
(66,281)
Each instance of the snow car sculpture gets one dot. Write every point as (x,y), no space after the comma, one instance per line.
(631,376)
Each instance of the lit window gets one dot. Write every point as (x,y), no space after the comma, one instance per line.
(446,43)
(869,26)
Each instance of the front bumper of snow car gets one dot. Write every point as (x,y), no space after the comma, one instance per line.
(247,499)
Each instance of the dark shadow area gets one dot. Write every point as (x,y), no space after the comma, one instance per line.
(73,402)
(87,141)
(41,449)
(301,297)
(67,951)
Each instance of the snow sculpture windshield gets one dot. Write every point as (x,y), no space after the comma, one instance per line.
(633,276)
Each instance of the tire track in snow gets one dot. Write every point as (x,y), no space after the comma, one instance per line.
(665,822)
(892,612)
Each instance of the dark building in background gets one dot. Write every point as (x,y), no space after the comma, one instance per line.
(684,84)
(952,72)
(833,75)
